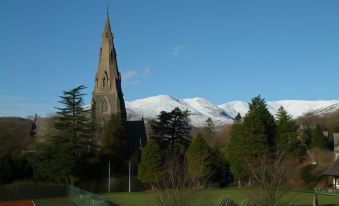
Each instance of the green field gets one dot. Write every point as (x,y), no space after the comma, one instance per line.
(212,197)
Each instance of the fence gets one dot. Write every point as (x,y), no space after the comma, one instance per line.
(83,198)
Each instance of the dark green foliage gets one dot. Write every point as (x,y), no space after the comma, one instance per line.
(310,177)
(251,138)
(287,135)
(236,152)
(135,160)
(115,145)
(14,167)
(16,144)
(306,136)
(152,163)
(210,127)
(318,139)
(67,153)
(172,129)
(261,117)
(200,159)
(238,118)
(220,172)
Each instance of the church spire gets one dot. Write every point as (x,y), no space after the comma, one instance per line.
(107,94)
(107,24)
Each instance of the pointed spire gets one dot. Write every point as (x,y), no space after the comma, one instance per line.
(107,25)
(107,10)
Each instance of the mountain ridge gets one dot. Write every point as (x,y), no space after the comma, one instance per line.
(200,109)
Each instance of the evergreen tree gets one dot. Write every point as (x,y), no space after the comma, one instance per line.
(152,163)
(66,154)
(172,129)
(200,158)
(238,118)
(318,139)
(115,147)
(236,152)
(210,127)
(259,114)
(252,137)
(306,136)
(287,134)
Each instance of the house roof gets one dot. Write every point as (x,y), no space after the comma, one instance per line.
(333,170)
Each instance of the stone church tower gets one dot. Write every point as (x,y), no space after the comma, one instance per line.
(107,95)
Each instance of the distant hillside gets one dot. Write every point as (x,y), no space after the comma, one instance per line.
(16,134)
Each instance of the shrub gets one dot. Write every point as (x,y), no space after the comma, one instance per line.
(226,201)
(309,176)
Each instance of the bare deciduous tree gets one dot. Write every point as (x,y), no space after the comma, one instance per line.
(269,180)
(176,187)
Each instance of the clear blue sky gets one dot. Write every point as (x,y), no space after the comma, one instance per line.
(220,50)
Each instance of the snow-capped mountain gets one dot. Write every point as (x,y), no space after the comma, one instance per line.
(200,109)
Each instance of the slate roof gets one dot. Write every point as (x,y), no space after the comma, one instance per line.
(333,170)
(137,134)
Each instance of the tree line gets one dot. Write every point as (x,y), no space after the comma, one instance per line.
(73,152)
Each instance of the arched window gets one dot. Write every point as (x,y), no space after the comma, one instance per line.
(104,79)
(105,108)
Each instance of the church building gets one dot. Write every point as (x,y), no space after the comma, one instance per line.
(107,96)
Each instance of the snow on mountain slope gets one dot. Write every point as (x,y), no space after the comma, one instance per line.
(200,109)
(235,107)
(327,110)
(296,108)
(299,107)
(150,107)
(208,110)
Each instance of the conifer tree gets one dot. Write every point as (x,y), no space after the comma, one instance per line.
(210,127)
(252,137)
(71,149)
(235,152)
(238,118)
(151,164)
(200,158)
(172,129)
(115,147)
(318,139)
(287,134)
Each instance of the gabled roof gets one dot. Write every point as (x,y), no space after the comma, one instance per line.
(137,133)
(333,170)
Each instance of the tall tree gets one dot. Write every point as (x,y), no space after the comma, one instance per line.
(287,134)
(238,118)
(152,163)
(66,154)
(172,129)
(200,159)
(318,139)
(252,137)
(209,126)
(114,143)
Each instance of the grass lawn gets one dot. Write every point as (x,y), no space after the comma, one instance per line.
(212,197)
